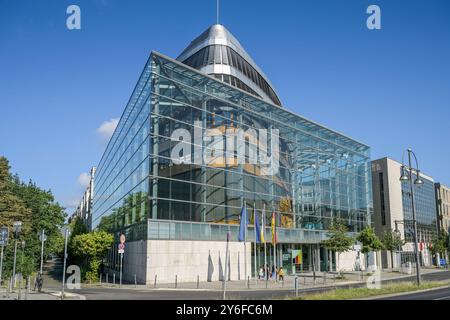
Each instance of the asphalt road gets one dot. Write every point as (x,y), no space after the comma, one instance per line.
(167,294)
(436,294)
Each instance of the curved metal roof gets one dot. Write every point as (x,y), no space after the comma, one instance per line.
(228,58)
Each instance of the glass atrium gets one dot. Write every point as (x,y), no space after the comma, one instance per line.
(140,190)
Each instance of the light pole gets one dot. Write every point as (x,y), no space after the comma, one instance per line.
(17,227)
(3,242)
(64,267)
(21,270)
(407,175)
(42,238)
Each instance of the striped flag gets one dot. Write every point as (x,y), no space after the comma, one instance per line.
(274,229)
(263,225)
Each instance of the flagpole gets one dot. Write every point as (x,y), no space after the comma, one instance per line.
(265,247)
(226,264)
(245,241)
(275,245)
(254,226)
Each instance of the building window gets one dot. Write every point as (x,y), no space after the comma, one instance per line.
(382,202)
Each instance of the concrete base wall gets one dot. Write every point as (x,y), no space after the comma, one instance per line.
(186,259)
(347,261)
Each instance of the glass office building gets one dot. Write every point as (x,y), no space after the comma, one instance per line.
(143,191)
(425,203)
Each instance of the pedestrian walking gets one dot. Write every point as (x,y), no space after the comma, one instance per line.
(38,282)
(281,274)
(261,273)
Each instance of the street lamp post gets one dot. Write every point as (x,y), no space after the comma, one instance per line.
(64,267)
(21,271)
(43,238)
(17,227)
(407,175)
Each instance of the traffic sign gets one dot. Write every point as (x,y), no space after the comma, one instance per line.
(122,238)
(3,236)
(121,248)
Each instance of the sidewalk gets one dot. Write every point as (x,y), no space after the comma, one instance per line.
(304,281)
(34,295)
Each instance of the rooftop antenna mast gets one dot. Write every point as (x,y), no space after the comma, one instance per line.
(217,6)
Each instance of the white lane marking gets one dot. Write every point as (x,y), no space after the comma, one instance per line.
(443,298)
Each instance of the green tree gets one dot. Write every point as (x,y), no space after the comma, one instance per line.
(92,247)
(46,214)
(12,208)
(392,241)
(36,209)
(440,244)
(338,240)
(369,240)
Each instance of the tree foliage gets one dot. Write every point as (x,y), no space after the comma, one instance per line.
(92,247)
(440,243)
(338,240)
(369,240)
(36,209)
(392,240)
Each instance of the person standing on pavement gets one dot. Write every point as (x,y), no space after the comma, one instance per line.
(281,274)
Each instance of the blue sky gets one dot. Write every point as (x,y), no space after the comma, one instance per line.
(388,88)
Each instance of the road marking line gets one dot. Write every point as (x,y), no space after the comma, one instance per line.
(443,298)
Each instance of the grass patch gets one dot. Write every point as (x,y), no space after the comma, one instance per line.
(355,293)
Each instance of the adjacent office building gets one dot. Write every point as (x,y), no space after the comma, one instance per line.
(393,210)
(84,209)
(443,207)
(205,135)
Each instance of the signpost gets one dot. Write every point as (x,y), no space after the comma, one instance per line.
(121,249)
(3,243)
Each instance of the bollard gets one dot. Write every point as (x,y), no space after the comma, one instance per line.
(154,284)
(248,282)
(135,282)
(100,279)
(114,278)
(107,278)
(198,281)
(176,281)
(296,286)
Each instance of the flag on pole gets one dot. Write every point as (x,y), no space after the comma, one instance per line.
(257,228)
(274,230)
(243,224)
(263,225)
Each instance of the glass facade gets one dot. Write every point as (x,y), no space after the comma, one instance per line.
(140,189)
(425,204)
